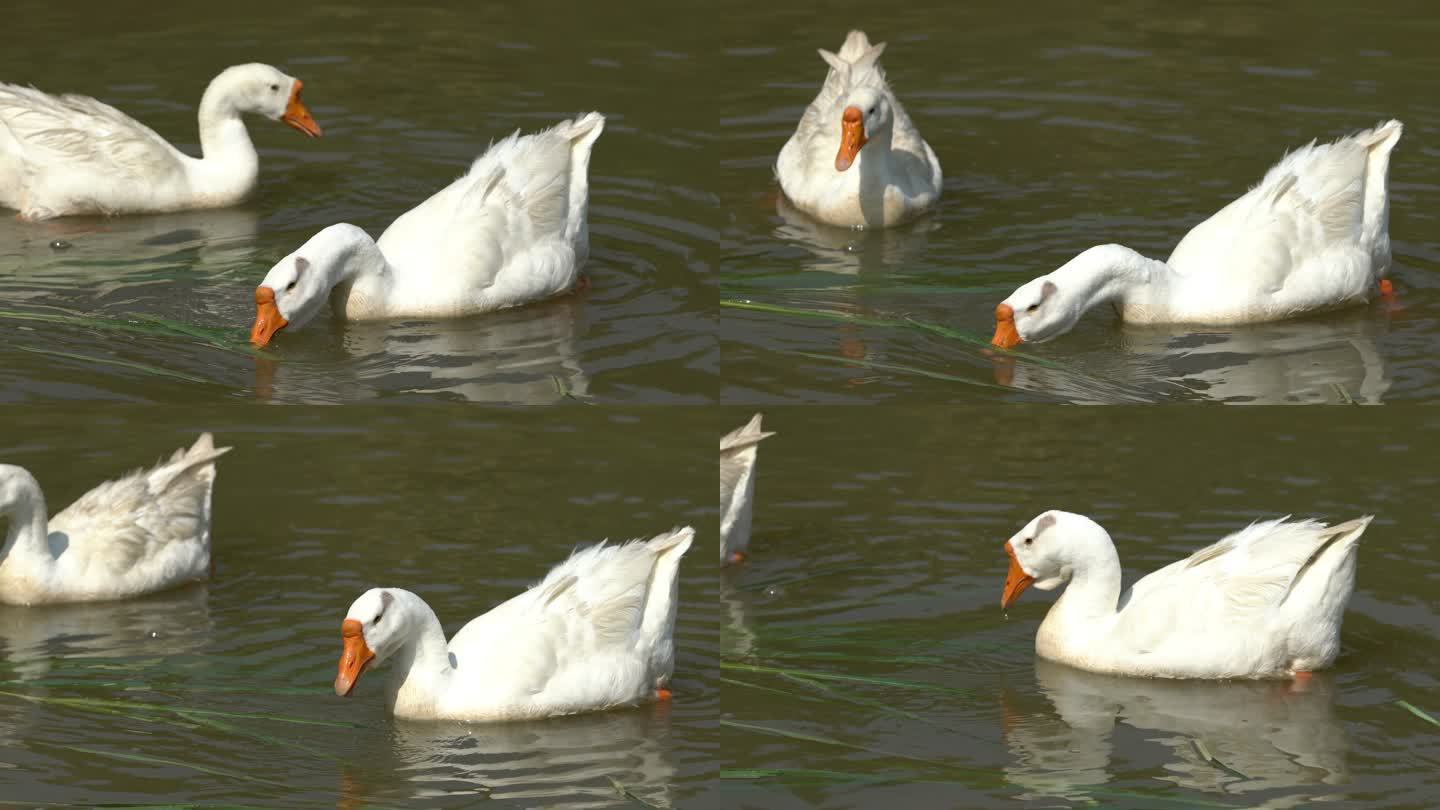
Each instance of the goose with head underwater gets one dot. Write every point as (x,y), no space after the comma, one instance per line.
(1313,235)
(597,632)
(511,231)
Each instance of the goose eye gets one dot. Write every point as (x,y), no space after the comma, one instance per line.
(1029,540)
(378,617)
(1032,308)
(872,109)
(274,88)
(290,286)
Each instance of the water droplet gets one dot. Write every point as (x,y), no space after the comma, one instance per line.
(774,592)
(154,634)
(60,244)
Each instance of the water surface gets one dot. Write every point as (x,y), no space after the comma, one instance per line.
(866,661)
(157,308)
(222,694)
(1058,128)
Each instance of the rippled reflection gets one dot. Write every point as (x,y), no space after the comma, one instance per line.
(172,623)
(1331,360)
(1235,737)
(609,759)
(846,250)
(526,355)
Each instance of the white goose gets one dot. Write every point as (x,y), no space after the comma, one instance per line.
(511,231)
(1264,602)
(737,488)
(66,155)
(596,633)
(145,532)
(856,160)
(1314,235)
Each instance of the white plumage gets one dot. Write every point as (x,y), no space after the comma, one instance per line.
(871,170)
(70,154)
(596,632)
(1313,235)
(738,450)
(511,231)
(145,532)
(1264,602)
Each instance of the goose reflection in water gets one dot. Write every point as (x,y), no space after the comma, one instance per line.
(97,248)
(609,759)
(525,355)
(850,251)
(1228,736)
(1332,359)
(36,639)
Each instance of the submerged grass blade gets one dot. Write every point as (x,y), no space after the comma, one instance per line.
(139,324)
(230,728)
(175,763)
(1418,712)
(858,700)
(882,366)
(836,676)
(110,361)
(101,704)
(630,794)
(1204,752)
(903,322)
(772,690)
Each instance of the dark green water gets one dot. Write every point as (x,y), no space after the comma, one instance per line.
(866,661)
(111,703)
(1062,126)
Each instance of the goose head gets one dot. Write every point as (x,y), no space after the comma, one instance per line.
(264,90)
(295,289)
(1051,305)
(865,116)
(15,483)
(1045,553)
(375,628)
(1035,312)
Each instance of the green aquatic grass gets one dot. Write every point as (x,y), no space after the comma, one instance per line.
(811,674)
(107,704)
(1102,386)
(832,655)
(625,791)
(904,322)
(900,367)
(824,279)
(174,763)
(1204,752)
(1418,712)
(231,340)
(772,690)
(110,361)
(859,700)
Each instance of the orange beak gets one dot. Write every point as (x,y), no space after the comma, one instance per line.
(297,114)
(1016,581)
(267,317)
(1006,335)
(354,659)
(852,137)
